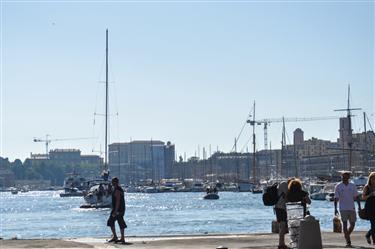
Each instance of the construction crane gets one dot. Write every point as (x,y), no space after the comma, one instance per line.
(268,121)
(47,140)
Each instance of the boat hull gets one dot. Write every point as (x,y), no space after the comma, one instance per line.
(211,196)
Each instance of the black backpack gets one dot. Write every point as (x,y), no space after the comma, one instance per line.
(270,196)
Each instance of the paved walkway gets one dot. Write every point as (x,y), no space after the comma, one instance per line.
(238,241)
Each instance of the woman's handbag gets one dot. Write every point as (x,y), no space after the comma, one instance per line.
(363,214)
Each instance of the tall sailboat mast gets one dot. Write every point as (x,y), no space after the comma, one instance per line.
(349,135)
(106,102)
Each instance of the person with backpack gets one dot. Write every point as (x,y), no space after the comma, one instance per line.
(296,194)
(281,215)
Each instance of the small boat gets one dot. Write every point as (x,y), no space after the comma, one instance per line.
(211,196)
(319,196)
(71,192)
(212,193)
(330,197)
(257,190)
(14,191)
(74,185)
(24,189)
(150,190)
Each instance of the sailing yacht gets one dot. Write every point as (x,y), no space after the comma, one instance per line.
(99,194)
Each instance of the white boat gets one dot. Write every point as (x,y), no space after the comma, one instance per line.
(330,196)
(150,190)
(99,194)
(257,190)
(74,185)
(71,192)
(319,196)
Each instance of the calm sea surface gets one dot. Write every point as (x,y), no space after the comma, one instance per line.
(44,214)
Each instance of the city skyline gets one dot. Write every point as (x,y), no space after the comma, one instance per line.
(185,72)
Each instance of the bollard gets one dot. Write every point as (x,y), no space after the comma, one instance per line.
(310,237)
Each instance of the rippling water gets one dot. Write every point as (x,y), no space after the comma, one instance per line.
(38,214)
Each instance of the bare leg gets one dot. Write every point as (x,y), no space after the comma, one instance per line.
(351,228)
(122,230)
(346,232)
(113,229)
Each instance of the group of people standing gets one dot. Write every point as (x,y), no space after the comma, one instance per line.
(346,195)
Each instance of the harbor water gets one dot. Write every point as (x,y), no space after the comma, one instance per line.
(44,214)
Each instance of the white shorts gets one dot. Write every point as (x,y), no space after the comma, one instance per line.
(348,215)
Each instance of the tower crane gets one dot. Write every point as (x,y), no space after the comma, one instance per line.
(268,121)
(48,140)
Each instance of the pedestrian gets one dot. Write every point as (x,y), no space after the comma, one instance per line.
(368,195)
(281,215)
(346,193)
(296,194)
(117,212)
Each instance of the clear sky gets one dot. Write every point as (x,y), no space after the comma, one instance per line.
(180,71)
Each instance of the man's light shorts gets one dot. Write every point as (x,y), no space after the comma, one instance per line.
(348,215)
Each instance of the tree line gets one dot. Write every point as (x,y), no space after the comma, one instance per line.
(54,171)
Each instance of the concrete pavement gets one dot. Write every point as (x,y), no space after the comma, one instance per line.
(231,241)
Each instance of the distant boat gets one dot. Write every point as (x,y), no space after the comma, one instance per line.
(330,196)
(319,196)
(74,185)
(212,193)
(257,190)
(211,196)
(71,192)
(14,191)
(150,190)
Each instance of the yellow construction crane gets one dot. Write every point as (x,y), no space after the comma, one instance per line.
(48,140)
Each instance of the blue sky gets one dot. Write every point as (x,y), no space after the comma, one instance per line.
(185,72)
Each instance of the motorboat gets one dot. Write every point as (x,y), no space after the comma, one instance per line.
(212,193)
(14,191)
(257,190)
(211,196)
(330,196)
(319,196)
(71,192)
(74,185)
(150,190)
(99,194)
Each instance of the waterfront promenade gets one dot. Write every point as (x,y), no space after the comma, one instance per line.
(233,241)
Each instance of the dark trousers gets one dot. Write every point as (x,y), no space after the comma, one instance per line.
(371,232)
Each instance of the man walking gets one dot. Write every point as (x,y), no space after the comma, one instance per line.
(346,193)
(118,211)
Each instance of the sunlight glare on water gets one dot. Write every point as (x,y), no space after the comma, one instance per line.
(44,214)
